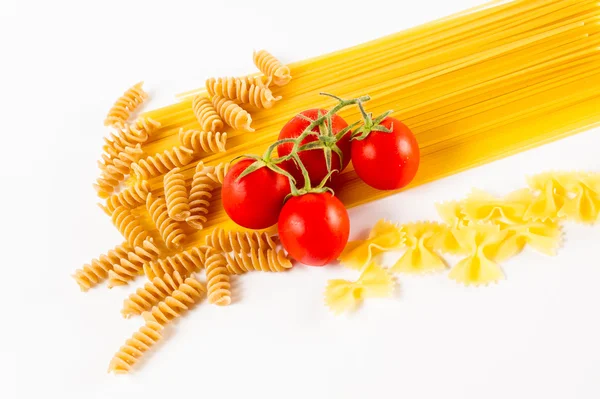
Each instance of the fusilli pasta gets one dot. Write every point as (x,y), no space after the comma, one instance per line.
(201,141)
(237,89)
(270,66)
(160,163)
(185,263)
(152,293)
(218,173)
(238,241)
(129,226)
(97,270)
(131,197)
(126,104)
(183,298)
(266,260)
(176,195)
(200,194)
(131,266)
(170,231)
(234,115)
(217,279)
(207,116)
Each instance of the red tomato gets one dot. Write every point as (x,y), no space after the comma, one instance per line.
(314,228)
(387,161)
(313,160)
(255,200)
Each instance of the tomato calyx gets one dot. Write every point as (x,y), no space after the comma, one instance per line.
(370,124)
(267,161)
(321,188)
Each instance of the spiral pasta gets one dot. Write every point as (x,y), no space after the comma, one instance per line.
(268,260)
(200,194)
(260,81)
(238,241)
(234,115)
(128,136)
(201,141)
(217,173)
(160,163)
(97,270)
(185,263)
(207,116)
(131,266)
(217,279)
(238,89)
(184,297)
(170,231)
(132,197)
(176,195)
(129,226)
(152,293)
(125,105)
(114,170)
(270,66)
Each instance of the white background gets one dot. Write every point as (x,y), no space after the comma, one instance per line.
(535,334)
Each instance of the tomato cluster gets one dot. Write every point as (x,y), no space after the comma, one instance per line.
(290,190)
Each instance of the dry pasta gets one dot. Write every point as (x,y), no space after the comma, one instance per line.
(114,172)
(151,294)
(131,197)
(185,263)
(271,67)
(200,141)
(170,231)
(199,199)
(129,136)
(480,207)
(217,279)
(582,204)
(266,260)
(237,89)
(217,173)
(97,270)
(384,236)
(160,163)
(240,242)
(129,267)
(126,104)
(176,195)
(129,226)
(207,116)
(234,115)
(422,245)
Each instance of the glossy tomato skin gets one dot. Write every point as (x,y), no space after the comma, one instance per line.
(313,160)
(255,200)
(314,228)
(387,161)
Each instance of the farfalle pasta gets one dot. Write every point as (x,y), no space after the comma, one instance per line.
(481,207)
(385,236)
(549,196)
(582,203)
(423,241)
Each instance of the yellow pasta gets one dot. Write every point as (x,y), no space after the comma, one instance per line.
(131,266)
(131,197)
(129,226)
(151,294)
(201,141)
(344,295)
(126,104)
(185,263)
(385,236)
(260,81)
(452,213)
(207,116)
(170,231)
(549,197)
(97,270)
(217,173)
(160,163)
(114,172)
(237,89)
(234,115)
(266,260)
(481,242)
(422,244)
(176,195)
(217,279)
(582,204)
(481,207)
(240,242)
(544,237)
(199,199)
(129,136)
(271,67)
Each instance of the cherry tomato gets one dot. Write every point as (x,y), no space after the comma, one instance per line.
(313,160)
(314,228)
(255,200)
(387,161)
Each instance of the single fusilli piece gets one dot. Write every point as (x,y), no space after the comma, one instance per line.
(170,231)
(238,241)
(185,263)
(217,279)
(132,197)
(129,226)
(237,89)
(260,260)
(217,173)
(114,170)
(98,269)
(207,116)
(270,66)
(234,115)
(160,163)
(129,136)
(184,297)
(260,81)
(152,293)
(176,195)
(125,105)
(201,141)
(131,266)
(200,195)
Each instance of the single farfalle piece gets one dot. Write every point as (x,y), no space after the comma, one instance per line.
(200,141)
(545,237)
(482,207)
(270,66)
(422,240)
(384,236)
(162,162)
(548,197)
(206,114)
(582,204)
(234,115)
(344,295)
(481,241)
(199,198)
(452,213)
(176,195)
